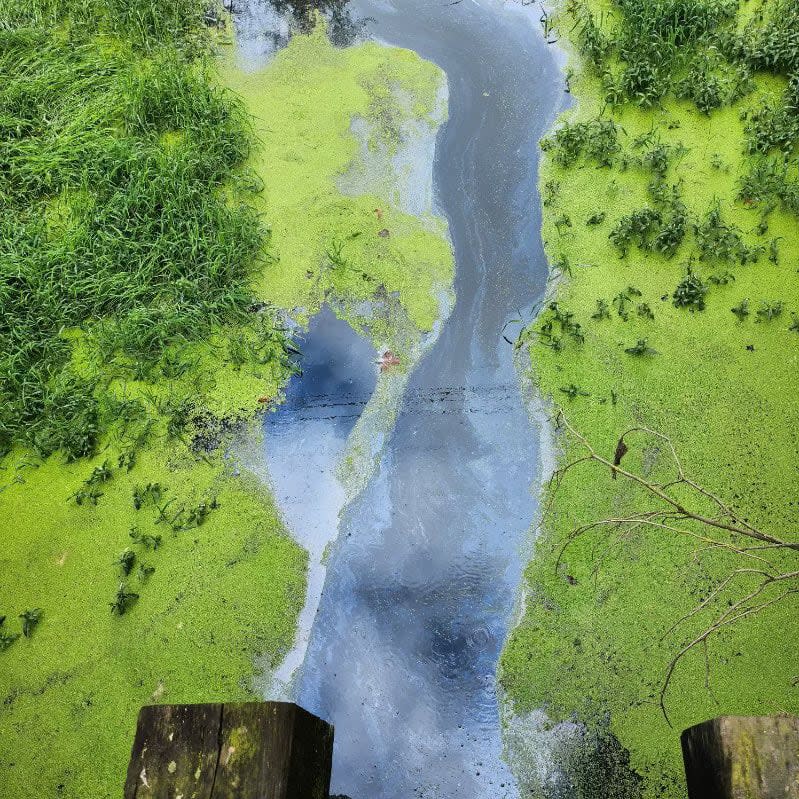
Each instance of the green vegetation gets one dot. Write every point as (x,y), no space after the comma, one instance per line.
(151,243)
(180,623)
(684,292)
(125,242)
(127,255)
(357,246)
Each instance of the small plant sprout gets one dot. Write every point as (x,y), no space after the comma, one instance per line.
(163,517)
(602,310)
(550,193)
(645,312)
(562,265)
(770,310)
(563,221)
(6,638)
(741,310)
(723,279)
(794,326)
(559,322)
(145,571)
(90,492)
(657,159)
(623,300)
(555,343)
(122,601)
(152,492)
(30,618)
(596,219)
(126,459)
(145,539)
(100,474)
(197,515)
(640,348)
(672,231)
(774,251)
(138,497)
(126,561)
(335,254)
(87,495)
(572,391)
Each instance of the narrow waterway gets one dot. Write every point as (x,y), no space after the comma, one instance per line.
(422,578)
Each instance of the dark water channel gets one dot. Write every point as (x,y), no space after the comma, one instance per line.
(421,582)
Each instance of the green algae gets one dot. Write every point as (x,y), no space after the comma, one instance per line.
(351,247)
(326,135)
(221,590)
(723,389)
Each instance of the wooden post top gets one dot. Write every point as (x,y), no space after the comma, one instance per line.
(742,757)
(251,750)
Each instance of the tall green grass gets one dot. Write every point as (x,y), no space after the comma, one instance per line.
(121,214)
(145,24)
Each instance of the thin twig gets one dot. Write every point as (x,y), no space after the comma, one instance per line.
(671,518)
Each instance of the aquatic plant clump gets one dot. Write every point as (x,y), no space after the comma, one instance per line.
(771,39)
(692,49)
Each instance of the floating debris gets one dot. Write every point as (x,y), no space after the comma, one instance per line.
(387,360)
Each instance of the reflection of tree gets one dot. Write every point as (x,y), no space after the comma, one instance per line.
(342,29)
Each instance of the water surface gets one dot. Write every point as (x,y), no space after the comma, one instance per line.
(305,439)
(421,581)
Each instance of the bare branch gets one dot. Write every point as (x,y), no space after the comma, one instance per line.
(737,526)
(711,630)
(677,516)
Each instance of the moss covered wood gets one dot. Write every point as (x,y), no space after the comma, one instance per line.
(743,757)
(249,750)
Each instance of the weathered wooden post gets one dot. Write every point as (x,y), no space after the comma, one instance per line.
(743,757)
(253,750)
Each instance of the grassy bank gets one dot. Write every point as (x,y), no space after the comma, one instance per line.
(670,196)
(152,236)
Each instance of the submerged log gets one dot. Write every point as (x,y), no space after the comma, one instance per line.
(252,750)
(743,757)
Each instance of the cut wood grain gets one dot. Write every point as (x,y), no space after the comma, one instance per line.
(743,757)
(252,750)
